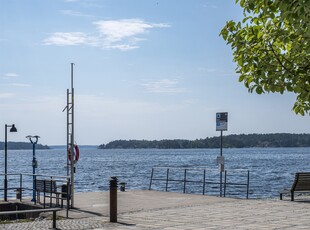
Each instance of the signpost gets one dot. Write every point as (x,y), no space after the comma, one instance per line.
(221,125)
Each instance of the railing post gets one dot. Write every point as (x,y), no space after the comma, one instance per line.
(204,182)
(51,188)
(68,196)
(167,179)
(184,188)
(113,199)
(54,220)
(34,195)
(151,179)
(44,186)
(225,180)
(35,188)
(221,182)
(21,186)
(248,185)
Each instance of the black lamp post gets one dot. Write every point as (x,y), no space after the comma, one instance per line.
(34,163)
(12,129)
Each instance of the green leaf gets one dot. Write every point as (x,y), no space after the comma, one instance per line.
(271,48)
(259,90)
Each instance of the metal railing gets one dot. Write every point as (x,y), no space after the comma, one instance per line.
(21,182)
(232,182)
(54,210)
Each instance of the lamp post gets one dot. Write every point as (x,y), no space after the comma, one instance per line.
(34,141)
(12,129)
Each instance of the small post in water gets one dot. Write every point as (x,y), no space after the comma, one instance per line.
(113,199)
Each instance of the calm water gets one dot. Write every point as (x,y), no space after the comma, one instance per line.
(271,169)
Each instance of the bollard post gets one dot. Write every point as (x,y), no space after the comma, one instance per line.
(54,220)
(122,186)
(18,193)
(113,199)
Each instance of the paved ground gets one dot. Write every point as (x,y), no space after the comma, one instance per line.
(160,210)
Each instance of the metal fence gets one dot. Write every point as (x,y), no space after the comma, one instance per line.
(201,180)
(24,185)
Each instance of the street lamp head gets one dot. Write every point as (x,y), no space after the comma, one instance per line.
(13,129)
(29,136)
(31,140)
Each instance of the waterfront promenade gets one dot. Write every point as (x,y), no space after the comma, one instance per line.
(161,210)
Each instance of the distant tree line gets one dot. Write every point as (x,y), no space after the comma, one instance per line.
(22,145)
(230,141)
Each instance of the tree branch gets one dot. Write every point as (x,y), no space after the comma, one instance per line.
(278,59)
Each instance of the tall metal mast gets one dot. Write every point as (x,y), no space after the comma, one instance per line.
(70,136)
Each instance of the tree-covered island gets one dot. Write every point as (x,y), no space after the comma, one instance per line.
(22,145)
(230,141)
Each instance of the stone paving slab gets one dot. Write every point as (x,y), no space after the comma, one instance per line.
(92,204)
(160,210)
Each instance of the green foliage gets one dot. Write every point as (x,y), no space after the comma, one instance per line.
(231,141)
(271,47)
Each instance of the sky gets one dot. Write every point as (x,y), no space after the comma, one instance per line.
(143,69)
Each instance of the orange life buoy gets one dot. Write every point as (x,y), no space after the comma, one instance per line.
(76,155)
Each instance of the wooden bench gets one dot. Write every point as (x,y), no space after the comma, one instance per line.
(49,190)
(54,210)
(300,184)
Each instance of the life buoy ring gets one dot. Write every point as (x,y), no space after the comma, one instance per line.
(76,153)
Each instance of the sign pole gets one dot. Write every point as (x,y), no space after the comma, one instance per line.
(221,165)
(221,143)
(221,125)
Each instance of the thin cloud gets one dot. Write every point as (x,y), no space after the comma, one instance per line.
(163,86)
(75,13)
(9,75)
(6,95)
(68,39)
(86,3)
(20,85)
(118,30)
(209,6)
(216,72)
(111,34)
(206,70)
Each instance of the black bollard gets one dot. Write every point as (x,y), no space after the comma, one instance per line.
(113,199)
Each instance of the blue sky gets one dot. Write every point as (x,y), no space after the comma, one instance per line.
(143,70)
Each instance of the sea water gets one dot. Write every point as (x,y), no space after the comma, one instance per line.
(270,169)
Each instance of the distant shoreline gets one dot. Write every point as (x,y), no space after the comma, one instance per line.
(276,140)
(22,146)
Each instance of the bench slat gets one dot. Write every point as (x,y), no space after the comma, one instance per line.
(50,186)
(300,184)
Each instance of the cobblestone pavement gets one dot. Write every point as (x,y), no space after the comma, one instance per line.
(227,214)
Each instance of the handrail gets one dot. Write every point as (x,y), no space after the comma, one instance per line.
(65,195)
(54,210)
(30,174)
(207,168)
(185,179)
(191,167)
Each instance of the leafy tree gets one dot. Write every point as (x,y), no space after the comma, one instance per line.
(272,49)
